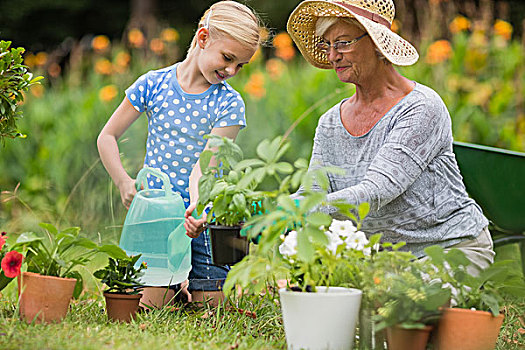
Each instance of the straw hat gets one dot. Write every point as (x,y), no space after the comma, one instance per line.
(376,16)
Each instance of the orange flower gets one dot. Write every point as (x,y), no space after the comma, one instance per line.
(282,40)
(169,35)
(275,68)
(103,67)
(255,86)
(156,45)
(136,38)
(54,70)
(503,29)
(121,62)
(459,24)
(100,43)
(396,25)
(108,93)
(438,52)
(286,53)
(41,58)
(377,280)
(30,60)
(37,90)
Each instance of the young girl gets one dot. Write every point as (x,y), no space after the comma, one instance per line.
(183,103)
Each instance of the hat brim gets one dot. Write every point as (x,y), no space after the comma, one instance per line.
(301,27)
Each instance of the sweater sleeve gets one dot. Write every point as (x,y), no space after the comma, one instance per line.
(416,138)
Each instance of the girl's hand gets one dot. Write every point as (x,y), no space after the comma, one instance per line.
(127,192)
(194,227)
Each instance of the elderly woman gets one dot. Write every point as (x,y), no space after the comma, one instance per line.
(392,137)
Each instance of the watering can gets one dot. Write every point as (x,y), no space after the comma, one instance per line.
(154,228)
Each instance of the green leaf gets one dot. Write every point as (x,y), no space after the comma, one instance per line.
(315,234)
(50,228)
(305,249)
(204,160)
(363,210)
(113,251)
(263,150)
(319,219)
(284,168)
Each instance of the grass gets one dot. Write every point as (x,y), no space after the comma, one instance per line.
(87,327)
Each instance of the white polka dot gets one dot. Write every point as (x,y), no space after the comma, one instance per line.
(175,163)
(161,116)
(194,126)
(211,103)
(183,170)
(166,125)
(241,122)
(141,88)
(205,108)
(229,94)
(160,98)
(234,104)
(150,83)
(170,93)
(215,92)
(204,120)
(169,75)
(165,167)
(197,154)
(177,121)
(172,143)
(141,99)
(159,128)
(162,147)
(174,133)
(168,155)
(171,113)
(223,123)
(179,152)
(200,143)
(164,86)
(151,183)
(150,153)
(202,132)
(242,109)
(133,97)
(186,159)
(182,140)
(189,147)
(233,116)
(188,118)
(165,105)
(176,101)
(187,200)
(137,108)
(182,110)
(188,105)
(184,130)
(195,113)
(180,182)
(166,136)
(159,158)
(197,101)
(153,131)
(172,174)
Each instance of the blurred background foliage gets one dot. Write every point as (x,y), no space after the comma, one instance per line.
(472,54)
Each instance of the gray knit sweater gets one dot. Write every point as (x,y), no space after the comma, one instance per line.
(405,168)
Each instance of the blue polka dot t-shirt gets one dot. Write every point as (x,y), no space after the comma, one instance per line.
(177,122)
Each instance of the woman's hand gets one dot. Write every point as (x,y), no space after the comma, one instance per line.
(127,192)
(194,227)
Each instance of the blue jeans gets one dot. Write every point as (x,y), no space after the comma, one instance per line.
(204,276)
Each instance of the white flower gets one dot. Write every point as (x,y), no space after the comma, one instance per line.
(334,241)
(357,241)
(289,247)
(342,228)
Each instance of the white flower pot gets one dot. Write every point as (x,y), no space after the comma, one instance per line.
(322,320)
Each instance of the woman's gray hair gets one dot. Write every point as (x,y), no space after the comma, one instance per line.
(324,23)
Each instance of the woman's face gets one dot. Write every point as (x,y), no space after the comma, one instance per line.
(359,62)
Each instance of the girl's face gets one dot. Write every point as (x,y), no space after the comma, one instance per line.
(222,58)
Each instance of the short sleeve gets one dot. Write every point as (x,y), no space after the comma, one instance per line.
(140,91)
(231,111)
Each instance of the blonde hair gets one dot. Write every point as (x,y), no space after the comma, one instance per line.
(324,23)
(233,19)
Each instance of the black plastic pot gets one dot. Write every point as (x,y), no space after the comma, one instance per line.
(228,247)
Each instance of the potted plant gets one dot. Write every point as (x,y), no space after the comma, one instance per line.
(315,254)
(409,302)
(122,279)
(14,79)
(11,262)
(230,190)
(52,277)
(474,321)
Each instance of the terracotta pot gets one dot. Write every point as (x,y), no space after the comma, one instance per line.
(228,247)
(122,307)
(44,298)
(467,330)
(156,297)
(399,338)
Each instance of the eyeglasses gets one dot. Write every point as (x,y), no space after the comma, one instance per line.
(339,46)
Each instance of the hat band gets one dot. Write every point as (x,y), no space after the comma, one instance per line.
(365,13)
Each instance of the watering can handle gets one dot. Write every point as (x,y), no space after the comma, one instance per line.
(142,179)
